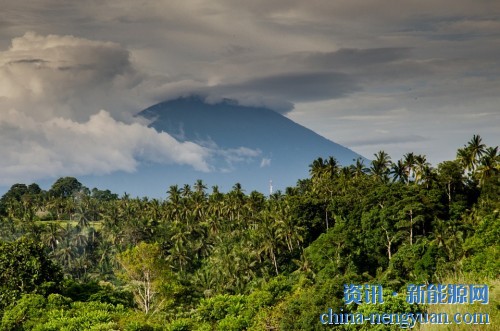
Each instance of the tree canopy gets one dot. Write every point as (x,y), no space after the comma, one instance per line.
(202,259)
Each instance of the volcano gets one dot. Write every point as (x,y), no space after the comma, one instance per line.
(249,145)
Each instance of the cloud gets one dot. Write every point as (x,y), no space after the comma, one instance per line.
(318,76)
(240,154)
(279,92)
(437,59)
(51,91)
(225,160)
(265,162)
(297,87)
(46,76)
(349,58)
(73,77)
(274,91)
(385,140)
(34,149)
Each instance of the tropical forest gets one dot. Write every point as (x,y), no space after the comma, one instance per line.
(78,258)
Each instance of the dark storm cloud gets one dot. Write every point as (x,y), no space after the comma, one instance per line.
(28,61)
(300,87)
(279,91)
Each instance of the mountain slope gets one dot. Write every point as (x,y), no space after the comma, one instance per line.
(285,148)
(233,126)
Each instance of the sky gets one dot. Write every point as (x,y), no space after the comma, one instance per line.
(401,76)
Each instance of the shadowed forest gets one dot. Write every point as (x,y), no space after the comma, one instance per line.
(74,258)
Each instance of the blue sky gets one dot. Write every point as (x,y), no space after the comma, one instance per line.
(398,76)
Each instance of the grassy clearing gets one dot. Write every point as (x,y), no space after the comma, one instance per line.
(63,223)
(492,308)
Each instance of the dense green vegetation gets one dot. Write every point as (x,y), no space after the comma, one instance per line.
(78,259)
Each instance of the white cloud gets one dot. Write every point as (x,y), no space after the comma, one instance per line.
(265,162)
(34,149)
(51,90)
(229,156)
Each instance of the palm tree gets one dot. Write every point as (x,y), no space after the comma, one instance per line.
(398,172)
(380,166)
(346,172)
(359,168)
(409,163)
(52,235)
(420,166)
(82,217)
(179,254)
(200,187)
(448,235)
(470,155)
(428,175)
(238,190)
(79,240)
(286,229)
(111,220)
(464,156)
(477,149)
(204,282)
(174,194)
(106,252)
(267,238)
(331,167)
(56,206)
(185,191)
(317,168)
(197,206)
(489,164)
(28,208)
(174,205)
(235,200)
(13,210)
(66,254)
(154,210)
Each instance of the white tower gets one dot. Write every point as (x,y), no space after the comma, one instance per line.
(270,187)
